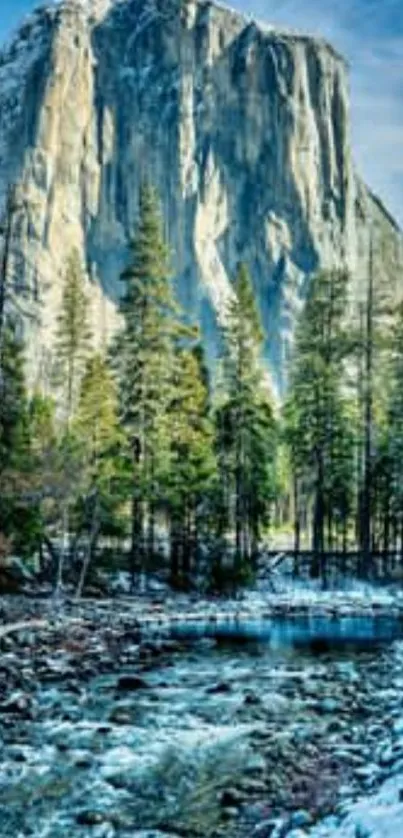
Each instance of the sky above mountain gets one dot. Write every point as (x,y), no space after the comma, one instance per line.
(370,34)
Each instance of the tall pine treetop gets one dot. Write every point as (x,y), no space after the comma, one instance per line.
(246,303)
(150,255)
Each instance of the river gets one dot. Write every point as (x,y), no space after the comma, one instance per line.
(226,736)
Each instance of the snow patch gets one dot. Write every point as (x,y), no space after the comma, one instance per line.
(379,816)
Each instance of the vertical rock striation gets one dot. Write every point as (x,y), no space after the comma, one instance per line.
(244,130)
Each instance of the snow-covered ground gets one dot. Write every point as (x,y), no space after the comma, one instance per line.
(379,816)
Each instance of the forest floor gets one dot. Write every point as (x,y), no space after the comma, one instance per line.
(110,731)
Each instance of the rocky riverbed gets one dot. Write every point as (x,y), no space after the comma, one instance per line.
(105,732)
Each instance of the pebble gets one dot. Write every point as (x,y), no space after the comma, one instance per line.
(321,722)
(300,819)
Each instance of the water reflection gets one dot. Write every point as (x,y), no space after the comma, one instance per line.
(319,633)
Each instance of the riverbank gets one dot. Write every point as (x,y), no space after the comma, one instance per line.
(107,729)
(161,609)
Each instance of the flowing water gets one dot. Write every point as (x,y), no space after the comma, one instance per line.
(242,726)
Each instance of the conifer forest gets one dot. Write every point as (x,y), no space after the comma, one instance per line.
(147,456)
(201,419)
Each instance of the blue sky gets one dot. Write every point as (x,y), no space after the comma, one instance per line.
(370,34)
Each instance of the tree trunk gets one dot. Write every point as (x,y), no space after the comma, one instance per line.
(136,542)
(55,558)
(386,535)
(187,549)
(94,534)
(150,535)
(64,553)
(401,539)
(136,539)
(297,527)
(318,569)
(238,514)
(174,552)
(368,410)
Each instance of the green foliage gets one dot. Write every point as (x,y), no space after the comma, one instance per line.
(246,431)
(73,335)
(13,400)
(146,447)
(100,446)
(144,360)
(19,518)
(192,472)
(315,415)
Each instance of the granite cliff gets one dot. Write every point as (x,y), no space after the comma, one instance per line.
(243,128)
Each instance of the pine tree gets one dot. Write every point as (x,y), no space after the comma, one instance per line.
(100,440)
(393,447)
(192,465)
(72,345)
(371,341)
(245,423)
(16,516)
(96,421)
(13,399)
(73,336)
(143,358)
(316,405)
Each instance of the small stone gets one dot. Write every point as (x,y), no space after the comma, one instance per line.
(89,818)
(120,716)
(219,689)
(84,762)
(300,819)
(253,785)
(366,772)
(267,828)
(328,705)
(18,755)
(230,797)
(251,699)
(131,683)
(387,757)
(18,703)
(255,765)
(230,812)
(398,727)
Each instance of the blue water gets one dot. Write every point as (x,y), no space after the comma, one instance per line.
(299,631)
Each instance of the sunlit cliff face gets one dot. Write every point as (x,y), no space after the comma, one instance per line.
(243,129)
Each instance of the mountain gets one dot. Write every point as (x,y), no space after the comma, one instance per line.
(244,130)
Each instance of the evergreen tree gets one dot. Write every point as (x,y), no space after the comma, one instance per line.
(143,356)
(316,408)
(13,400)
(372,339)
(100,440)
(96,421)
(73,336)
(72,345)
(245,425)
(392,462)
(17,515)
(192,465)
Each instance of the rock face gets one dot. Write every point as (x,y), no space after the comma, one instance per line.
(243,129)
